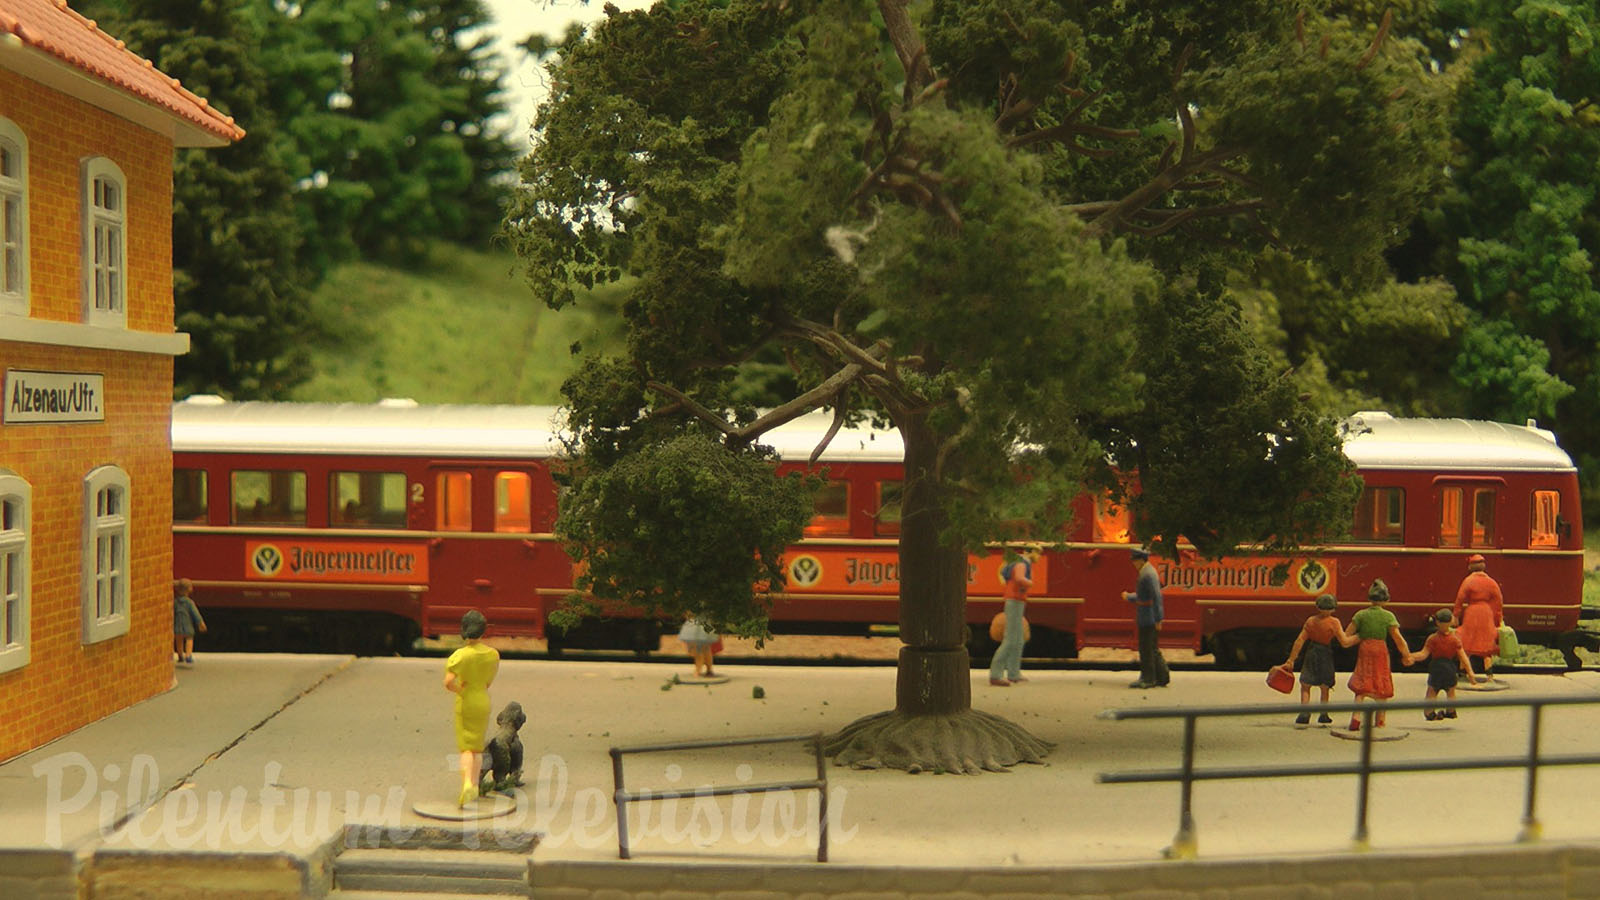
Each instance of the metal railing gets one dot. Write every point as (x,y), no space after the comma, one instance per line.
(622,797)
(1185,844)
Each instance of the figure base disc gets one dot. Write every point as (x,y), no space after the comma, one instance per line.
(1378,734)
(486,807)
(704,679)
(1496,685)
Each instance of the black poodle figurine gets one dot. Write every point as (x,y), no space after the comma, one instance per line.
(503,765)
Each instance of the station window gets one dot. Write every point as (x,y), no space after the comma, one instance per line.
(1380,516)
(513,502)
(189,495)
(1545,533)
(1466,517)
(269,497)
(16,560)
(831,516)
(13,219)
(886,523)
(1112,522)
(454,501)
(367,499)
(105,243)
(105,554)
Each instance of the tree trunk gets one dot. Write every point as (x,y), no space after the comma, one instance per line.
(934,671)
(933,726)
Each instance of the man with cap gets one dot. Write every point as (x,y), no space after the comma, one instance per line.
(1478,610)
(1146,598)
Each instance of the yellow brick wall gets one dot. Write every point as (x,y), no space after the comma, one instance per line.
(61,133)
(67,684)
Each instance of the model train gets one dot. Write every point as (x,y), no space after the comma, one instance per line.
(364,527)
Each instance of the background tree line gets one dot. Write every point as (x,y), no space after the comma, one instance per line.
(371,134)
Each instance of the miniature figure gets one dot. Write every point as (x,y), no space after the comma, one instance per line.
(185,620)
(1372,679)
(1146,598)
(504,766)
(468,674)
(1005,668)
(702,644)
(1478,608)
(1447,659)
(1316,636)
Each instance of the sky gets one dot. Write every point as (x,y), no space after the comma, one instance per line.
(515,20)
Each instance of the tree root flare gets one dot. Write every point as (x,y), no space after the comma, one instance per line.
(966,742)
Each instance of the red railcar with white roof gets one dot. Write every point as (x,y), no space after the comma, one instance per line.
(365,526)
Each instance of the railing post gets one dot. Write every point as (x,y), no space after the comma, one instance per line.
(822,803)
(618,797)
(1531,829)
(1186,844)
(1364,778)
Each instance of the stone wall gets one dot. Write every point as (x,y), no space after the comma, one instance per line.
(1514,873)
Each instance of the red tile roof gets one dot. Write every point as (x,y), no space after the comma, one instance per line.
(53,28)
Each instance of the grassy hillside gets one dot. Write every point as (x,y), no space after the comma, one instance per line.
(461,328)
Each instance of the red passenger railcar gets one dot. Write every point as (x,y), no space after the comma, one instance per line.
(365,526)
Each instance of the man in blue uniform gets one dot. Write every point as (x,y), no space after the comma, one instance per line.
(1146,598)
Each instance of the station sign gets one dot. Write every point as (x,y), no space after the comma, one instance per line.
(33,397)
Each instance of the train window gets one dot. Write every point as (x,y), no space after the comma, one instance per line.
(886,523)
(269,497)
(454,501)
(513,502)
(832,511)
(1466,517)
(189,495)
(1380,516)
(1545,533)
(1112,522)
(367,500)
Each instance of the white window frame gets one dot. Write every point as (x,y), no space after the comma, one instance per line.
(105,555)
(105,245)
(14,301)
(16,557)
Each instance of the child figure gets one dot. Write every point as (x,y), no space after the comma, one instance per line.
(1372,679)
(1316,636)
(186,620)
(1445,653)
(701,642)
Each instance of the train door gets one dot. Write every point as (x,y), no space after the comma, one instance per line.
(481,547)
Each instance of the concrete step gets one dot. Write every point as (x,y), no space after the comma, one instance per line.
(444,872)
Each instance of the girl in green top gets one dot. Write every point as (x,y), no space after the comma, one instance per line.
(1369,627)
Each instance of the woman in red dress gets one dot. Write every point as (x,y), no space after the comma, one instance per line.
(1370,627)
(1479,614)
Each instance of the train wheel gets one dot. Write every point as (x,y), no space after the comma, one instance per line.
(980,647)
(645,638)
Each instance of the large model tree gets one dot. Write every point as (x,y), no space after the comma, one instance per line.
(1004,228)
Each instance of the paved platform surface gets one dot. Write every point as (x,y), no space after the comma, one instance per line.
(252,753)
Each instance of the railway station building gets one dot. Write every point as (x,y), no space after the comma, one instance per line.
(88,131)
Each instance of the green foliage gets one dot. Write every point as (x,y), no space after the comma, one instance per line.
(1204,374)
(239,287)
(1007,243)
(451,329)
(387,111)
(1518,231)
(685,527)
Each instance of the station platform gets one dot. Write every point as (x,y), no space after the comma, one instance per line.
(257,774)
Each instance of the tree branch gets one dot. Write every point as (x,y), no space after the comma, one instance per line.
(813,399)
(907,45)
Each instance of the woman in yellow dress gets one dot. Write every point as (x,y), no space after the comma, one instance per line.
(468,674)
